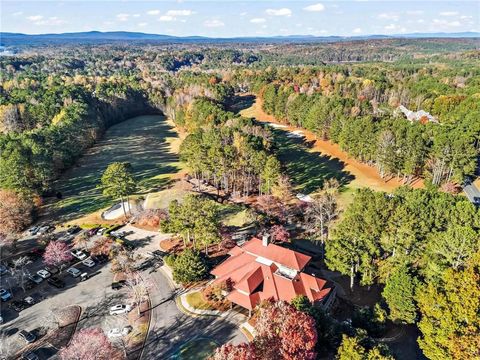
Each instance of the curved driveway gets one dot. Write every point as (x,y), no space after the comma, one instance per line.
(170,328)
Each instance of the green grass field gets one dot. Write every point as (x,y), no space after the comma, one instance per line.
(144,141)
(307,169)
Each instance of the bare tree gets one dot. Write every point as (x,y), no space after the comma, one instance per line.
(138,288)
(19,272)
(323,210)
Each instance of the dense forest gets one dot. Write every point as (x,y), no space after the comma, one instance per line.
(409,107)
(357,107)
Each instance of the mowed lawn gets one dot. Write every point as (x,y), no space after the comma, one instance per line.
(145,142)
(308,169)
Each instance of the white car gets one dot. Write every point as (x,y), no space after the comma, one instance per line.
(88,262)
(120,309)
(116,332)
(74,272)
(101,231)
(66,237)
(36,279)
(44,274)
(79,254)
(33,230)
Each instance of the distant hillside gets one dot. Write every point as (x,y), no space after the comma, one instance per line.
(12,39)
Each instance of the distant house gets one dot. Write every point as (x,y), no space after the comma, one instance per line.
(261,271)
(421,115)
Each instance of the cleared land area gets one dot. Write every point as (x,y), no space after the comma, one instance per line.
(310,161)
(148,143)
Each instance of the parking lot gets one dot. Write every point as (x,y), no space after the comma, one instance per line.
(95,296)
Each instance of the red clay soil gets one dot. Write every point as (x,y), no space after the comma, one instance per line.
(365,175)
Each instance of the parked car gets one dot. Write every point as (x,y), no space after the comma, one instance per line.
(120,309)
(88,262)
(43,274)
(17,305)
(29,300)
(46,229)
(29,284)
(84,276)
(55,281)
(118,284)
(73,229)
(66,237)
(3,269)
(30,356)
(74,272)
(118,234)
(92,231)
(117,332)
(33,230)
(101,231)
(27,336)
(5,295)
(52,269)
(36,253)
(100,259)
(79,254)
(35,278)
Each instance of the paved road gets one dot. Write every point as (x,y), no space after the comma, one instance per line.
(472,192)
(170,327)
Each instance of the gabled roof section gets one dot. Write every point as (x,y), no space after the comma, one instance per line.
(278,254)
(254,280)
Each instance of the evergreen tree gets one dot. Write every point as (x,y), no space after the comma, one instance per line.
(399,295)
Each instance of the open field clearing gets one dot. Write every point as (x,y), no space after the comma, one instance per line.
(148,142)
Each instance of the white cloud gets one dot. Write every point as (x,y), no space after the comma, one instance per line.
(51,21)
(446,23)
(136,15)
(315,7)
(415,12)
(171,15)
(214,23)
(153,12)
(18,13)
(448,13)
(142,24)
(166,18)
(390,27)
(388,16)
(357,31)
(258,20)
(243,13)
(35,17)
(180,12)
(123,17)
(279,12)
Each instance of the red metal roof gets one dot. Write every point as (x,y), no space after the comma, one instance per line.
(278,254)
(254,281)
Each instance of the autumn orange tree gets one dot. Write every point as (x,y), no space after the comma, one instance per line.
(282,333)
(15,212)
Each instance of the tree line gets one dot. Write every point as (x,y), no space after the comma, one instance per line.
(423,246)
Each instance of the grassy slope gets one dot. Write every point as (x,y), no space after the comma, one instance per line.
(147,142)
(310,162)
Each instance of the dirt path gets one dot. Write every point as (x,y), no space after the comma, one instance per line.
(365,175)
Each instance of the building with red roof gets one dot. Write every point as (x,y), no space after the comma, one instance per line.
(259,270)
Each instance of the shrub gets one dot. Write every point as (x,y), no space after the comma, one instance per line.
(170,260)
(189,267)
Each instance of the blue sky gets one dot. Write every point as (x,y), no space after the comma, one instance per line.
(231,18)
